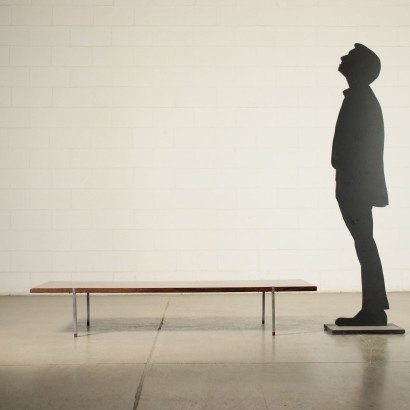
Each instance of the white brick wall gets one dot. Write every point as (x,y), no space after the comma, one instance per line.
(190,139)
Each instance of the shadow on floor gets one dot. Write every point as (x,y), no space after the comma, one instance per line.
(186,324)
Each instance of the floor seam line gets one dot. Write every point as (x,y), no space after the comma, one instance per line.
(148,364)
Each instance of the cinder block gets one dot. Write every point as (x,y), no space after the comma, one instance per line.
(380,36)
(14,117)
(5,262)
(239,96)
(113,178)
(5,97)
(194,16)
(4,138)
(88,240)
(174,116)
(114,97)
(315,36)
(133,36)
(277,96)
(154,15)
(49,158)
(237,260)
(72,97)
(274,137)
(215,36)
(5,220)
(113,219)
(15,282)
(71,56)
(90,117)
(235,56)
(49,77)
(156,260)
(191,158)
(242,15)
(49,36)
(153,137)
(135,158)
(154,178)
(177,76)
(114,15)
(114,261)
(4,55)
(72,219)
(296,76)
(154,97)
(32,97)
(155,56)
(15,199)
(113,56)
(31,219)
(176,240)
(111,137)
(195,97)
(216,239)
(197,260)
(90,158)
(133,240)
(21,179)
(215,117)
(14,158)
(194,56)
(237,178)
(72,178)
(30,56)
(254,117)
(89,77)
(279,259)
(21,240)
(131,76)
(90,36)
(276,56)
(31,15)
(171,36)
(205,198)
(14,35)
(47,199)
(257,198)
(255,36)
(5,16)
(72,15)
(195,178)
(255,76)
(257,239)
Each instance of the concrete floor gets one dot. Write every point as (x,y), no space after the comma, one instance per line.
(211,353)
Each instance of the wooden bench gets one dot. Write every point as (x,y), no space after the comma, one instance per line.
(263,286)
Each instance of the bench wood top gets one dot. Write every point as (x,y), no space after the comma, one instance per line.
(291,285)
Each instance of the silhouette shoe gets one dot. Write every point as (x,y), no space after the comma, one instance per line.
(364,318)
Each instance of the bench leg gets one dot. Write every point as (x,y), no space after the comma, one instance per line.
(273,312)
(88,309)
(263,308)
(75,312)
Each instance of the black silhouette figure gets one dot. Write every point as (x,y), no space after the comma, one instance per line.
(357,156)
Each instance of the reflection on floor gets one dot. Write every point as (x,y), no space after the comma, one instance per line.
(177,352)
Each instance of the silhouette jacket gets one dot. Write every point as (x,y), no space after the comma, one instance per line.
(357,152)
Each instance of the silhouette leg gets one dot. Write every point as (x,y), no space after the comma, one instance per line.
(359,221)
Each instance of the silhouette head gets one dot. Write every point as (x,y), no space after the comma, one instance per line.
(360,66)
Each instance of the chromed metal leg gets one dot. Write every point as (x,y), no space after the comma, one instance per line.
(263,308)
(88,309)
(273,312)
(75,312)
